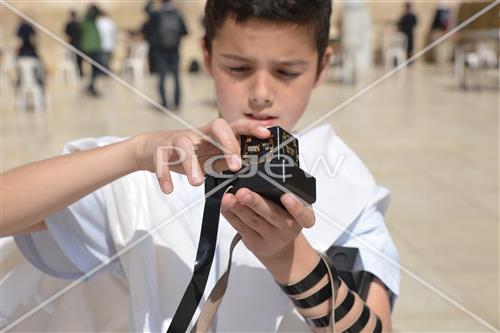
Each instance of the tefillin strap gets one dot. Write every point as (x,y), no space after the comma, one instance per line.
(300,183)
(204,256)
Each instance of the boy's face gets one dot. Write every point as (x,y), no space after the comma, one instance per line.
(264,71)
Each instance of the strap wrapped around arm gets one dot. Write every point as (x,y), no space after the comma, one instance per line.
(348,311)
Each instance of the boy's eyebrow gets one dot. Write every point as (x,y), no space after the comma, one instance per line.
(235,57)
(293,62)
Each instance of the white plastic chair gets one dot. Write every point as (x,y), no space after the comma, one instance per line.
(395,50)
(137,62)
(8,61)
(487,55)
(27,69)
(471,63)
(67,68)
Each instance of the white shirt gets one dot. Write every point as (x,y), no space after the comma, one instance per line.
(158,269)
(107,33)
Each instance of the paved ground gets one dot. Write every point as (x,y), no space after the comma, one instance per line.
(436,148)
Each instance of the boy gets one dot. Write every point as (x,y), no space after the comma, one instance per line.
(265,58)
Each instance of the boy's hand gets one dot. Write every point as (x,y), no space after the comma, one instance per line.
(186,151)
(266,228)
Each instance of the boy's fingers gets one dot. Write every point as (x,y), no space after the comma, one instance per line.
(235,222)
(249,217)
(248,127)
(190,163)
(264,208)
(227,206)
(302,214)
(248,235)
(163,171)
(223,134)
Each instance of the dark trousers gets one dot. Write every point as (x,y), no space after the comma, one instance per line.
(97,57)
(168,63)
(79,60)
(409,46)
(106,59)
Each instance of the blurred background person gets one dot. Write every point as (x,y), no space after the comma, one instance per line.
(440,25)
(72,31)
(147,31)
(26,34)
(91,45)
(441,114)
(167,30)
(107,33)
(30,72)
(406,25)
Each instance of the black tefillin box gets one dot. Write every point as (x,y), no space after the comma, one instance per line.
(277,158)
(349,266)
(272,165)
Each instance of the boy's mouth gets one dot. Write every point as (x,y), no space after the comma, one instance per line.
(264,120)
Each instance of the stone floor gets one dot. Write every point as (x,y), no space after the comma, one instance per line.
(435,146)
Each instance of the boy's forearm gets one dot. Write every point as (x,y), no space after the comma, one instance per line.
(300,260)
(35,191)
(295,263)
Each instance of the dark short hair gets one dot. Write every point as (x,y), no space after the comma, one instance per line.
(312,13)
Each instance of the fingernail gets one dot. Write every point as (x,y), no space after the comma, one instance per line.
(289,200)
(246,198)
(167,187)
(235,162)
(229,202)
(262,129)
(196,177)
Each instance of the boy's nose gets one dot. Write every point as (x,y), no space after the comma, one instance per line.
(261,94)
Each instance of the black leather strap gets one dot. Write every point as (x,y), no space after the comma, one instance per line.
(319,322)
(378,326)
(315,299)
(345,306)
(361,322)
(204,258)
(308,282)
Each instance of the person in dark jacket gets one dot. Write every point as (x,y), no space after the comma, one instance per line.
(147,33)
(72,31)
(406,25)
(91,45)
(167,28)
(26,34)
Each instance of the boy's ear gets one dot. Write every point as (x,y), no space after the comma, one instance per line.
(206,56)
(325,64)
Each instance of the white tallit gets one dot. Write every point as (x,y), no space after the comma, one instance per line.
(162,234)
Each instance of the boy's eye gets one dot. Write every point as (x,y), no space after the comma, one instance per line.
(239,69)
(288,74)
